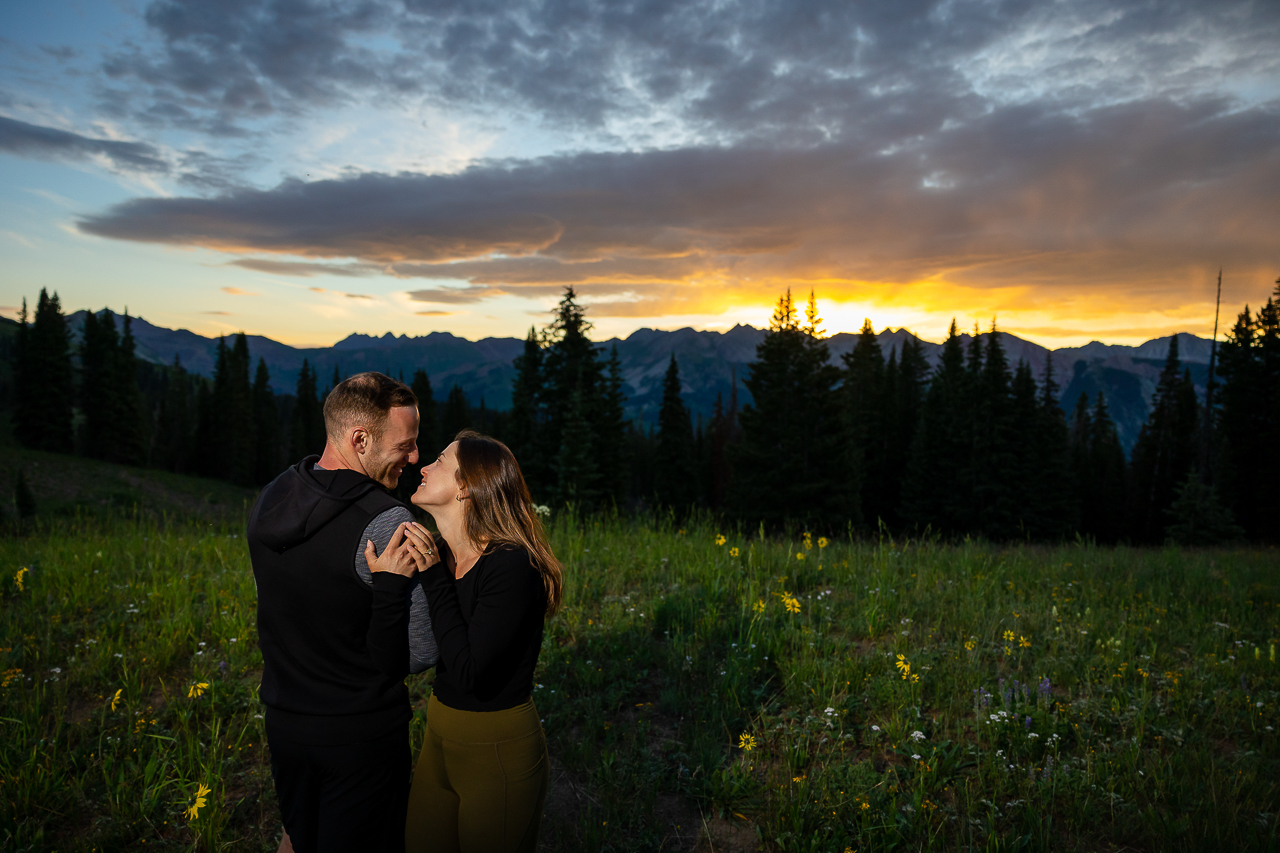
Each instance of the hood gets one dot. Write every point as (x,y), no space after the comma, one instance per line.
(301,501)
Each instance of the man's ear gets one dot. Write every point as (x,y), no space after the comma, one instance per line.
(361,441)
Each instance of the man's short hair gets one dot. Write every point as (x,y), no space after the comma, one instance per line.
(366,400)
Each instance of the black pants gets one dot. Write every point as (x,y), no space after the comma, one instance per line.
(336,799)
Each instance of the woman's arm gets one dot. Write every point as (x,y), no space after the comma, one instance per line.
(511,588)
(393,573)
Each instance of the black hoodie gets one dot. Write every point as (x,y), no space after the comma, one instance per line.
(334,651)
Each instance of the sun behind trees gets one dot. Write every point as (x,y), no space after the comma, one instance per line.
(877,439)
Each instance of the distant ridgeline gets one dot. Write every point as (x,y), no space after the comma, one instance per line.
(989,435)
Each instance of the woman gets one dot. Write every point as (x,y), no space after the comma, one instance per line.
(481,779)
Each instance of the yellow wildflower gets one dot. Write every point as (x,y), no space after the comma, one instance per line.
(720,540)
(10,676)
(800,555)
(193,811)
(1008,636)
(822,542)
(196,690)
(19,579)
(733,552)
(866,806)
(789,601)
(797,778)
(746,742)
(1024,642)
(758,606)
(115,700)
(808,542)
(904,667)
(970,644)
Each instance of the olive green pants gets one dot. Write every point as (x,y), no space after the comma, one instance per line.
(480,782)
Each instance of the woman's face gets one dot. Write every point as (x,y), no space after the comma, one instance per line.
(439,485)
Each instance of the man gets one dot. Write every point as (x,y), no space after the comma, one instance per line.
(337,641)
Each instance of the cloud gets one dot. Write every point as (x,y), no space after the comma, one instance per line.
(235,291)
(703,72)
(1140,195)
(32,140)
(357,296)
(304,270)
(217,313)
(434,313)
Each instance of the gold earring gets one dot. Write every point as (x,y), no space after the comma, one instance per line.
(458,497)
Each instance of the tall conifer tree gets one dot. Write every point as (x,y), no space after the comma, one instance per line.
(792,461)
(937,487)
(266,427)
(42,416)
(674,482)
(456,415)
(866,410)
(308,437)
(1165,451)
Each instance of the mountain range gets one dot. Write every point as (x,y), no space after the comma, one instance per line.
(710,362)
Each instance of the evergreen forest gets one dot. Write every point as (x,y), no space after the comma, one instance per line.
(873,442)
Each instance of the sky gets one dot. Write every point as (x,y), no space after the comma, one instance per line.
(1072,170)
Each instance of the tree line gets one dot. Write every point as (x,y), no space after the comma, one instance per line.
(973,447)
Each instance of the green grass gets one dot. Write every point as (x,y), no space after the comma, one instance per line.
(1154,731)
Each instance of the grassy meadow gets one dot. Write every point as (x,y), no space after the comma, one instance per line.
(704,688)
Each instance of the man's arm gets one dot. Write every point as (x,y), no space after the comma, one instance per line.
(422,642)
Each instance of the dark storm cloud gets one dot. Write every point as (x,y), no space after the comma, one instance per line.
(1129,193)
(786,72)
(33,140)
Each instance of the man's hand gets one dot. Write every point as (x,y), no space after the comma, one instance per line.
(404,554)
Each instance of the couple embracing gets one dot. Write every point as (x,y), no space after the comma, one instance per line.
(354,594)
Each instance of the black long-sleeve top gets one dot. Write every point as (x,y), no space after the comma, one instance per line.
(488,628)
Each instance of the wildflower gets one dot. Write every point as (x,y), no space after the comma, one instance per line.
(831,711)
(1008,636)
(969,644)
(917,735)
(542,510)
(904,667)
(808,542)
(115,700)
(822,542)
(196,690)
(789,601)
(800,555)
(193,811)
(720,540)
(1024,642)
(746,742)
(733,552)
(865,806)
(875,728)
(19,579)
(915,757)
(10,676)
(758,606)
(797,778)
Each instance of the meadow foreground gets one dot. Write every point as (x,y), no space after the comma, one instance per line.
(703,689)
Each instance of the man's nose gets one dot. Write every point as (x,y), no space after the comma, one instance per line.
(413,455)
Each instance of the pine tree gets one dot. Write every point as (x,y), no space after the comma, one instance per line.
(43,411)
(573,387)
(995,433)
(611,431)
(905,387)
(173,422)
(202,454)
(674,483)
(99,355)
(1054,508)
(1198,518)
(526,419)
(866,401)
(234,440)
(1165,451)
(724,434)
(1109,475)
(131,437)
(307,434)
(792,461)
(937,487)
(429,443)
(266,428)
(456,415)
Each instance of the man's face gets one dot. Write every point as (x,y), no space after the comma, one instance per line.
(396,449)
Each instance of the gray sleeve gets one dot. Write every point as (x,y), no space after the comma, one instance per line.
(422,642)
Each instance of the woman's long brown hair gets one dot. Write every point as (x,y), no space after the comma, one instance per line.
(501,510)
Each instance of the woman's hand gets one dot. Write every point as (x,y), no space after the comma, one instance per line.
(402,556)
(425,544)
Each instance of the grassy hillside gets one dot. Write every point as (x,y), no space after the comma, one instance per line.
(702,689)
(67,486)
